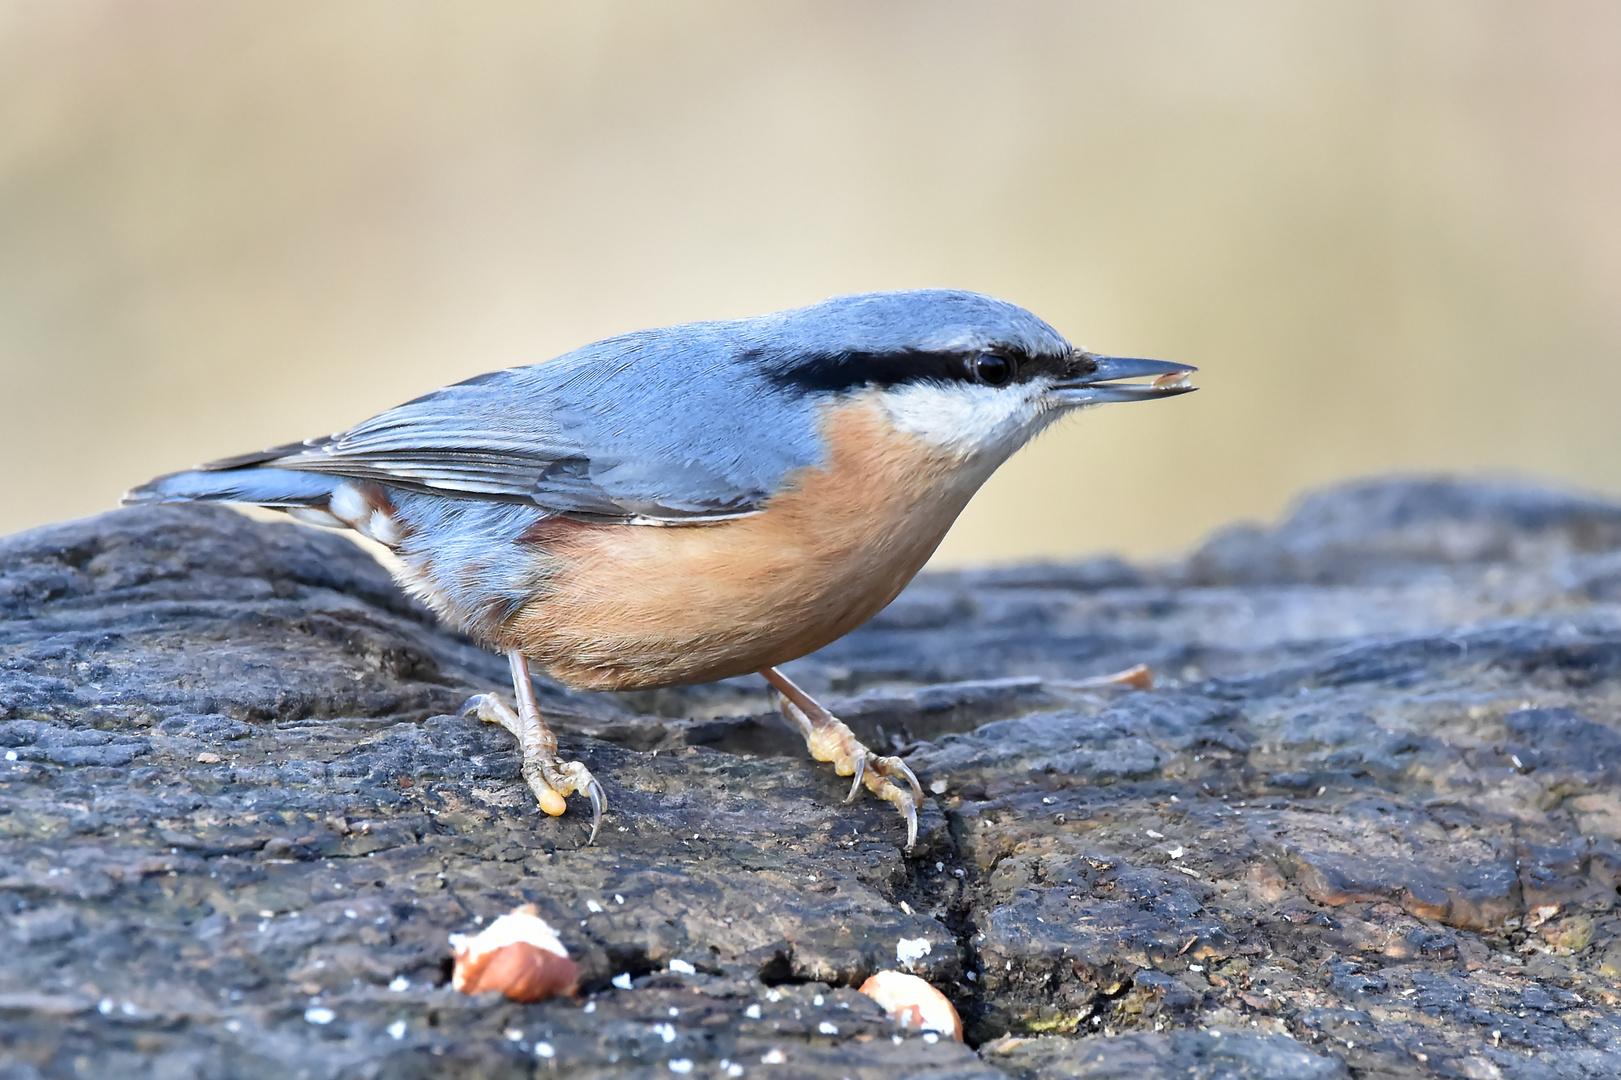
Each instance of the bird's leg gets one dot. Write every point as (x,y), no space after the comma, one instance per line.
(548,778)
(830,740)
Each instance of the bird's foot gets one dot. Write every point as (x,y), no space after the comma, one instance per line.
(550,779)
(830,739)
(567,778)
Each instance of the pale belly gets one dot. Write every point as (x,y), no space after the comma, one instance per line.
(643,606)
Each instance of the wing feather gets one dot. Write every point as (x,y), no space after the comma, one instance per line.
(586,435)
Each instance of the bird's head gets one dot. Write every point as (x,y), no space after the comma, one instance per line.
(975,376)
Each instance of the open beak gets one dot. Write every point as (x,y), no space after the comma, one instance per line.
(1108,381)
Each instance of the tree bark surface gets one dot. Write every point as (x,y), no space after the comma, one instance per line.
(1367,823)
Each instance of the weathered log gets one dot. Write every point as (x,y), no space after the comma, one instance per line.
(1368,819)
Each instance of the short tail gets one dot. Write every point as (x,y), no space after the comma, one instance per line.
(276,488)
(333,501)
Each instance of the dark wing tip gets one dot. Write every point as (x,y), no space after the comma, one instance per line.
(263,457)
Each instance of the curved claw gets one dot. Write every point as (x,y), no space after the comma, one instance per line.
(860,777)
(599,803)
(472,705)
(905,801)
(911,778)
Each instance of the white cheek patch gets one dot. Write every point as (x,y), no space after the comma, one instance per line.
(965,418)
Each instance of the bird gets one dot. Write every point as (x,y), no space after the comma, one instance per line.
(691,503)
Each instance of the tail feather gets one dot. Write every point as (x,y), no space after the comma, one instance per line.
(254,486)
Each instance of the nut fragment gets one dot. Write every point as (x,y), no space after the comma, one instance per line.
(517,954)
(1539,915)
(912,1002)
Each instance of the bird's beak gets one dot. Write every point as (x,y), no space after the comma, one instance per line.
(1100,379)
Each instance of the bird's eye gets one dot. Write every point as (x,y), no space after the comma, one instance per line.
(992,370)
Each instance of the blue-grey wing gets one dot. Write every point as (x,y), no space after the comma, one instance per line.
(650,426)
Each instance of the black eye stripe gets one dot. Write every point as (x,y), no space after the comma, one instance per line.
(854,370)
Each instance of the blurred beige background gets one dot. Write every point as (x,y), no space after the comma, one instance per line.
(1389,233)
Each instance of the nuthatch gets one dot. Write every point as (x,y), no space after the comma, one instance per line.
(692,503)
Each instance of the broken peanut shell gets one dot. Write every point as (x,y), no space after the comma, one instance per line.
(518,955)
(912,1002)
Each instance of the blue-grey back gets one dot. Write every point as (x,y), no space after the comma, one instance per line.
(686,421)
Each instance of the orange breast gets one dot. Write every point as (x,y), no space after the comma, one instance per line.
(645,606)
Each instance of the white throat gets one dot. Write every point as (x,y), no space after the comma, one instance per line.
(968,420)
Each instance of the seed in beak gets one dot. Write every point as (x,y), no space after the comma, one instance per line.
(1174,380)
